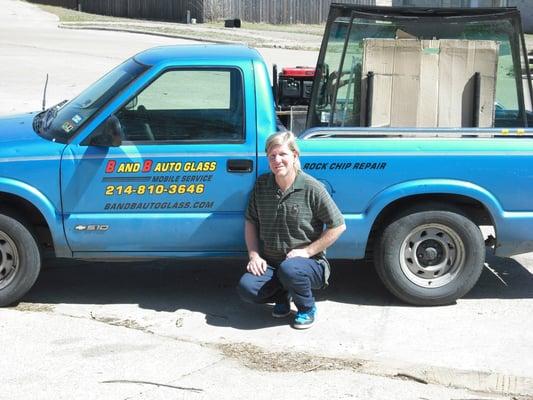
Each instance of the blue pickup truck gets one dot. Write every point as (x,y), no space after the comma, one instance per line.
(158,157)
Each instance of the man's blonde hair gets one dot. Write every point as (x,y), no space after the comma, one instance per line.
(281,139)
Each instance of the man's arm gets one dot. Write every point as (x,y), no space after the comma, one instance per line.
(326,239)
(256,265)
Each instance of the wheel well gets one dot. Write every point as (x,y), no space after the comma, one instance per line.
(32,216)
(471,208)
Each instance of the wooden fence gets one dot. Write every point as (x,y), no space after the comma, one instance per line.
(159,10)
(73,4)
(269,11)
(173,10)
(274,11)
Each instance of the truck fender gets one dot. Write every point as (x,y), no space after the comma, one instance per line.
(45,207)
(433,186)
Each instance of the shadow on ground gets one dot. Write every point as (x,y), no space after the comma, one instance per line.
(208,286)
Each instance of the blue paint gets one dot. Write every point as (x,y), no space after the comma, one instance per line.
(145,214)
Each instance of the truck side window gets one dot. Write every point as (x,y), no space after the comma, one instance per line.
(187,105)
(387,73)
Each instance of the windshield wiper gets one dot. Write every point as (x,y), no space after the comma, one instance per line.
(44,119)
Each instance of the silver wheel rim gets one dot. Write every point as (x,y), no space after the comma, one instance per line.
(432,255)
(9,260)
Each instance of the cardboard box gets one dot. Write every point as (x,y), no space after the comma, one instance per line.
(429,83)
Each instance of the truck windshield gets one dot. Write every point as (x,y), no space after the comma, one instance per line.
(61,121)
(424,71)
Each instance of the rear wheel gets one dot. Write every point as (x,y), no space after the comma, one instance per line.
(430,257)
(20,260)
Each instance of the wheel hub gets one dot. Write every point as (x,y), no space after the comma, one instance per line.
(8,260)
(432,255)
(430,252)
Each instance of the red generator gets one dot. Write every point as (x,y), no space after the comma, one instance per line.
(294,86)
(292,93)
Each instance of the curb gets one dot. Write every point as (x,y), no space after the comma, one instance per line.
(478,381)
(258,358)
(142,32)
(99,27)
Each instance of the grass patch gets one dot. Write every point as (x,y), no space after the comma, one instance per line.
(254,357)
(251,34)
(317,30)
(33,307)
(68,15)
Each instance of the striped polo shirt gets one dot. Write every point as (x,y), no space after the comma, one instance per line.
(292,219)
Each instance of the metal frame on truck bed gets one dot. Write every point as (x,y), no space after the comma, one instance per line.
(339,67)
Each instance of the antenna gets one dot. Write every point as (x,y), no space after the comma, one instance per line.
(44,94)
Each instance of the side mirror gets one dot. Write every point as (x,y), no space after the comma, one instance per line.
(132,104)
(109,134)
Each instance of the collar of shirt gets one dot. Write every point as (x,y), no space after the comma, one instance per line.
(298,184)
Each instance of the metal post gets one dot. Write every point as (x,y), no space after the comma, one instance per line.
(369,96)
(476,102)
(290,118)
(275,90)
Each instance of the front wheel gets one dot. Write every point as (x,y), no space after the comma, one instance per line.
(20,260)
(430,257)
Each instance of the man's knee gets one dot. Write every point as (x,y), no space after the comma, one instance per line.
(290,270)
(247,288)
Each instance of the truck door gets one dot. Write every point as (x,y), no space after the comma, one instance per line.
(179,182)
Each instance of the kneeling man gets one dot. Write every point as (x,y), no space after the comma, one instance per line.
(290,221)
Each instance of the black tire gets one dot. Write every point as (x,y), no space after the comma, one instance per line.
(429,257)
(20,259)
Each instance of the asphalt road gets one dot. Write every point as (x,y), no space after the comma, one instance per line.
(32,47)
(176,329)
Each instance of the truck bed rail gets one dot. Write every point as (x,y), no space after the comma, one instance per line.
(348,133)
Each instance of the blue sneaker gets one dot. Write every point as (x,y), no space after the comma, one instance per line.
(281,310)
(304,319)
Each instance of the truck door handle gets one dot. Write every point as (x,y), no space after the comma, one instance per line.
(240,166)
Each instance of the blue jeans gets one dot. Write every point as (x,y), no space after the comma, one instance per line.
(295,277)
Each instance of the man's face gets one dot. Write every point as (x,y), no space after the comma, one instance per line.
(281,160)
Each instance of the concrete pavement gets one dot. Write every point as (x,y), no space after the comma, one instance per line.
(482,343)
(48,356)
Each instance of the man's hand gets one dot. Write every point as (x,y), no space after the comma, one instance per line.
(326,239)
(256,266)
(298,253)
